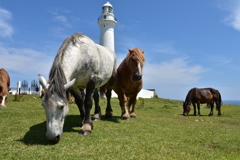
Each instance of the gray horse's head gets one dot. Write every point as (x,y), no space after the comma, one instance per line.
(56,109)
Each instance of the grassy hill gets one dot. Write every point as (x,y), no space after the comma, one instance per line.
(159,132)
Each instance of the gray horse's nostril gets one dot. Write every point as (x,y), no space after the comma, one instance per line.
(57,138)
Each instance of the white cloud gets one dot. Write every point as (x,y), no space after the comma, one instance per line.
(6,30)
(176,71)
(25,62)
(171,78)
(165,48)
(234,18)
(61,18)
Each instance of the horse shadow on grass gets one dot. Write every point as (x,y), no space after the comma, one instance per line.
(37,133)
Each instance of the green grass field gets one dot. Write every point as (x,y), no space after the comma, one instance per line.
(159,132)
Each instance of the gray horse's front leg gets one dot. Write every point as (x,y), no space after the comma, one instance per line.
(109,110)
(97,112)
(79,101)
(87,125)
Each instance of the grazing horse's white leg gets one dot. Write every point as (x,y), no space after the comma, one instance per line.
(132,103)
(123,104)
(3,102)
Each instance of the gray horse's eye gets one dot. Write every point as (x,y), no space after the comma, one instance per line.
(61,107)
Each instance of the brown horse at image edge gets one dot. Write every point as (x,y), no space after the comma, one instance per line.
(201,96)
(127,83)
(4,86)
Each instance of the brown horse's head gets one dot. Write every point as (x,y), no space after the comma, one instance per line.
(135,60)
(186,108)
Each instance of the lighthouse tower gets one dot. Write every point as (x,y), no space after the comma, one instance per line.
(107,23)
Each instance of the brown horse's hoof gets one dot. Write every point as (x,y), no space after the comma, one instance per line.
(126,117)
(96,117)
(86,129)
(108,114)
(133,115)
(84,132)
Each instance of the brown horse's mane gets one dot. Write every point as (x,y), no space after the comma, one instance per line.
(135,53)
(57,79)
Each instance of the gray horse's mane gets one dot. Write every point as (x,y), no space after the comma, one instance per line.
(57,79)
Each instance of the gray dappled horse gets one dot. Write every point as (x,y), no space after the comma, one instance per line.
(79,63)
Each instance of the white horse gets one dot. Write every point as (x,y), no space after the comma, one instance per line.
(79,63)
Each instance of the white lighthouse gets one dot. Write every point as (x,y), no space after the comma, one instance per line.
(107,23)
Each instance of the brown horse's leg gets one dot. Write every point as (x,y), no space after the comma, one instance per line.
(212,106)
(132,103)
(97,112)
(218,105)
(123,103)
(194,107)
(109,110)
(198,106)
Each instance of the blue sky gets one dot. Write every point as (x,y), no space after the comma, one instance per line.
(187,43)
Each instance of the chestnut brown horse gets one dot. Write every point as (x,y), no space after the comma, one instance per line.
(4,86)
(127,83)
(200,96)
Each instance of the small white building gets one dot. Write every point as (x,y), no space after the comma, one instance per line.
(144,93)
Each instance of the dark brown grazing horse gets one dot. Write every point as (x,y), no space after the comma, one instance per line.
(127,83)
(4,86)
(200,96)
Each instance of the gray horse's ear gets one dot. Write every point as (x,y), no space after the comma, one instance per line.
(69,84)
(42,81)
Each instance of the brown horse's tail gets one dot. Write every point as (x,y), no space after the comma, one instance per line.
(103,91)
(219,101)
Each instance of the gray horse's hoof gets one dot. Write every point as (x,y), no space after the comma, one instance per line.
(96,117)
(108,114)
(133,115)
(86,129)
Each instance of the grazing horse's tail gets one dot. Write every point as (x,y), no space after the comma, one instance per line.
(217,98)
(219,101)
